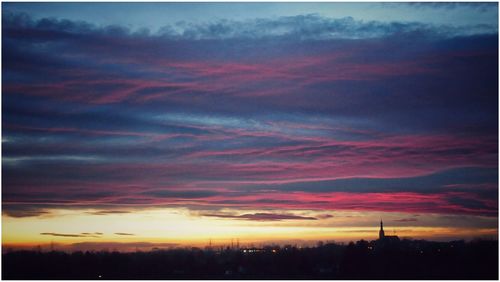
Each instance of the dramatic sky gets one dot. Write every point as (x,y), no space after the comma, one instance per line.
(162,124)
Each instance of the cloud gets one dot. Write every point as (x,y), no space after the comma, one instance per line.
(465,200)
(108,212)
(181,194)
(290,112)
(261,216)
(430,183)
(85,234)
(410,219)
(23,210)
(324,216)
(480,6)
(310,26)
(427,194)
(124,234)
(95,234)
(302,27)
(402,202)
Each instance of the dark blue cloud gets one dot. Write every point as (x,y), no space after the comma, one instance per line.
(181,194)
(310,26)
(205,105)
(432,183)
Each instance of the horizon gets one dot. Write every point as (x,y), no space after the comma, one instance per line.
(172,124)
(212,245)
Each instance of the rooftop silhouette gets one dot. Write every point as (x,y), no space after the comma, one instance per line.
(386,258)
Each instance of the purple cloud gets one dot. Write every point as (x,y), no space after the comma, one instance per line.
(302,112)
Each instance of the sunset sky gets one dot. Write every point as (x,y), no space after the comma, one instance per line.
(129,125)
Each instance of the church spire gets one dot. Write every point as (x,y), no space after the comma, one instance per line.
(381,233)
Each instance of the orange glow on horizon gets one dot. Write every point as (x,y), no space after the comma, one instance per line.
(70,229)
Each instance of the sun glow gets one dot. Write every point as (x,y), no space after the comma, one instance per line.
(181,227)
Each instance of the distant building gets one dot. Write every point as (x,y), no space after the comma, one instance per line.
(381,233)
(385,238)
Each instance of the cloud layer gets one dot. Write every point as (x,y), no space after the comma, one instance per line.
(302,112)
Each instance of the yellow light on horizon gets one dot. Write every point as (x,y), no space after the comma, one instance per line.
(180,226)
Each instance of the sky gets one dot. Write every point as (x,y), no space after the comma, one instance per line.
(131,125)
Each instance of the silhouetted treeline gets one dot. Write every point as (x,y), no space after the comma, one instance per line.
(405,259)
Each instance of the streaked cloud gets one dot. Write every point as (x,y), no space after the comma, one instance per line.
(261,216)
(84,234)
(262,115)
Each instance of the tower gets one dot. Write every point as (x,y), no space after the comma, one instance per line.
(381,233)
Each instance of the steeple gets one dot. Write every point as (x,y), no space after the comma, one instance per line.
(381,233)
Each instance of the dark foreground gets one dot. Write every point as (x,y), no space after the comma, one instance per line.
(404,259)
